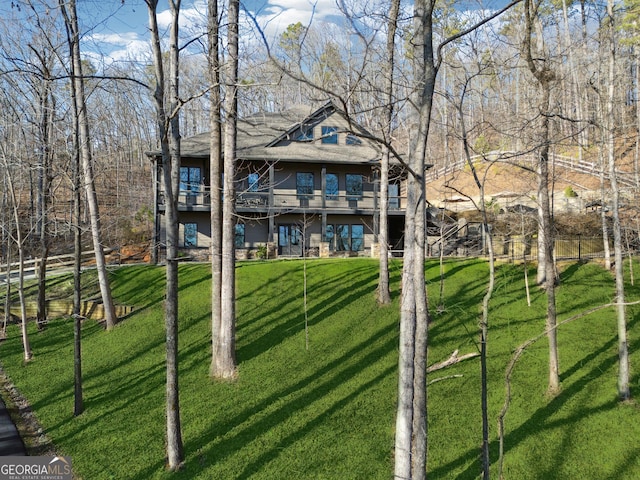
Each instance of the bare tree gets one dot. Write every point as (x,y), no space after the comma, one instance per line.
(168,128)
(411,424)
(215,161)
(225,360)
(78,403)
(623,350)
(384,296)
(6,252)
(175,452)
(18,238)
(68,9)
(539,67)
(45,112)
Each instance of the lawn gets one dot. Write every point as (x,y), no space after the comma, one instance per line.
(329,412)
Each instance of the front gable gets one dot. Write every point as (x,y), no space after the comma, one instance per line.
(324,136)
(326,125)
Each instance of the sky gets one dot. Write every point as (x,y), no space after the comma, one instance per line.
(118,30)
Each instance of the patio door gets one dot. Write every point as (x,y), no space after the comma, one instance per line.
(290,241)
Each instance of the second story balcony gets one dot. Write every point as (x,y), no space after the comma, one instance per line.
(283,201)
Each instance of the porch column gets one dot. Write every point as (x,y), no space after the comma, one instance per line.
(323,192)
(376,204)
(323,187)
(272,220)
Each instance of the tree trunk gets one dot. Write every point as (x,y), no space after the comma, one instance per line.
(78,404)
(544,76)
(215,152)
(28,355)
(68,8)
(175,455)
(170,177)
(384,295)
(603,210)
(6,244)
(411,424)
(225,362)
(44,167)
(623,349)
(484,320)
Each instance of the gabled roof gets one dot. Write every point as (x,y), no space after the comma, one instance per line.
(271,136)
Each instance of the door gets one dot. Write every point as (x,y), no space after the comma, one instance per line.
(290,242)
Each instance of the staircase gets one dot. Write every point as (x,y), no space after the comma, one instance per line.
(447,237)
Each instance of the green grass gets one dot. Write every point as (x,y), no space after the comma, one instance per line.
(329,413)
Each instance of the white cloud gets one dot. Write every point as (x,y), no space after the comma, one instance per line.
(193,16)
(125,36)
(273,16)
(108,48)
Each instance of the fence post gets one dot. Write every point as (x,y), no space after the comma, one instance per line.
(579,247)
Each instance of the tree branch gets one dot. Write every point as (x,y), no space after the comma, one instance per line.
(452,360)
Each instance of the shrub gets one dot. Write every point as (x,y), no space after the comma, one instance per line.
(261,252)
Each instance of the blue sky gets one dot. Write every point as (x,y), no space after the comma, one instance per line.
(120,29)
(117,30)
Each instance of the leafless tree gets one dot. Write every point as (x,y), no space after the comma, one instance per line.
(18,238)
(215,153)
(384,296)
(69,13)
(624,392)
(168,128)
(225,361)
(538,65)
(411,424)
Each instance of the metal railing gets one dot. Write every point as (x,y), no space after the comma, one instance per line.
(284,199)
(517,248)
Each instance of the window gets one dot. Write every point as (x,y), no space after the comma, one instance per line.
(342,238)
(305,133)
(353,140)
(345,238)
(304,184)
(329,236)
(190,179)
(394,195)
(330,135)
(190,235)
(354,186)
(239,236)
(331,181)
(253,181)
(357,238)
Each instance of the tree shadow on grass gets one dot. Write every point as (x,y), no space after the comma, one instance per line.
(232,433)
(540,420)
(289,319)
(304,392)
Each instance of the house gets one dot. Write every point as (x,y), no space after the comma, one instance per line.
(307,182)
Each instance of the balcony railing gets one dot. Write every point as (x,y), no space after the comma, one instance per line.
(288,200)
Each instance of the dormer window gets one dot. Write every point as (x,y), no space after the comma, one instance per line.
(353,140)
(305,134)
(330,135)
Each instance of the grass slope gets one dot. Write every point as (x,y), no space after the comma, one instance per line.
(328,413)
